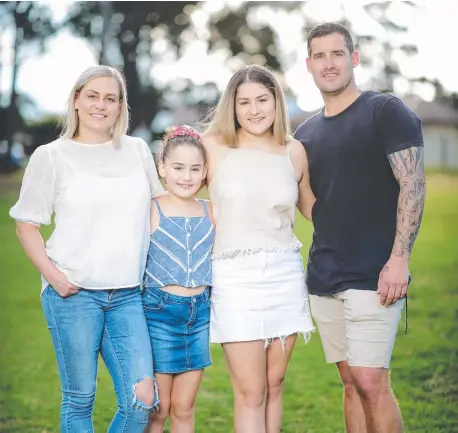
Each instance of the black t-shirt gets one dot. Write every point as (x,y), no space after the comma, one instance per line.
(354,216)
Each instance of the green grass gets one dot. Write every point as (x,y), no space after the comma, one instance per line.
(424,366)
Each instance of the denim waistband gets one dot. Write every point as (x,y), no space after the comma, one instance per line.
(168,297)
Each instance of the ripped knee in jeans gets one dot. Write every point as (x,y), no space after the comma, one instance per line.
(145,395)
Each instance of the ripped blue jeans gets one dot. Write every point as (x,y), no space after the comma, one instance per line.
(111,323)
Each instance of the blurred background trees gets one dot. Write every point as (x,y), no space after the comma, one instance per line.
(136,37)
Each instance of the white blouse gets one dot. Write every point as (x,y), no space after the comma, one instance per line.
(101,198)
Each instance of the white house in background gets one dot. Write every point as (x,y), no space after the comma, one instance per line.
(440,130)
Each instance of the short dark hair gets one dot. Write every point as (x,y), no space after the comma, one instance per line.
(327,29)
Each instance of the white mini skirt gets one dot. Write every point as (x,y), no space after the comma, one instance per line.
(260,296)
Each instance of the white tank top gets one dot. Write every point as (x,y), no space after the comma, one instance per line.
(254,196)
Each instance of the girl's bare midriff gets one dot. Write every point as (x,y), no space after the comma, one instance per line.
(183,291)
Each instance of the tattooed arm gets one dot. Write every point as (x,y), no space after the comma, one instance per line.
(400,135)
(408,169)
(407,166)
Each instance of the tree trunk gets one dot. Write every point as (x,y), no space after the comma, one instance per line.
(129,54)
(13,116)
(106,11)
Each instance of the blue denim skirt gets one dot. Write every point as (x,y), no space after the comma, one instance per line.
(179,330)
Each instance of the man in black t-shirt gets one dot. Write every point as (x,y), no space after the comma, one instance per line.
(365,153)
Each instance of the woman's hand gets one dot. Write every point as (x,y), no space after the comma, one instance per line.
(59,282)
(32,242)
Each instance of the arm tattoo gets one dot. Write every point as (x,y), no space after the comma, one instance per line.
(408,169)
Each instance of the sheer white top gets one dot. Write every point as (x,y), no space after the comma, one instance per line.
(101,197)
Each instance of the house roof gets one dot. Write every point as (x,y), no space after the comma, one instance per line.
(434,112)
(430,113)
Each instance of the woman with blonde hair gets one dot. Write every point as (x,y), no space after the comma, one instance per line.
(99,183)
(257,176)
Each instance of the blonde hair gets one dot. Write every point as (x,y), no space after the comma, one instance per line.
(224,121)
(70,121)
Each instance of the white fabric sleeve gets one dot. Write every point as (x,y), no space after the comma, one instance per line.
(155,184)
(36,199)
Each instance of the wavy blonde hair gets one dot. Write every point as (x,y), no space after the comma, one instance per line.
(70,120)
(223,119)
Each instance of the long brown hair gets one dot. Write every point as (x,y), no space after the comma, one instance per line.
(223,119)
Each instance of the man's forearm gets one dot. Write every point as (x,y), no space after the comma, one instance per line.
(408,169)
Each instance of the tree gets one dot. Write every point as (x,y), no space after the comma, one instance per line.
(121,33)
(390,67)
(32,24)
(134,36)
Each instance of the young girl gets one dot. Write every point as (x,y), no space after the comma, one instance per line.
(177,280)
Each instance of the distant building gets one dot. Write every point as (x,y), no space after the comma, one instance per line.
(440,130)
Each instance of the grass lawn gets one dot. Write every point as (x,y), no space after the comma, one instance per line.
(424,365)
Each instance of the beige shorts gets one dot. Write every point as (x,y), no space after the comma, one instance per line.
(355,327)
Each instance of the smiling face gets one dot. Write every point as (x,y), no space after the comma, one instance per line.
(184,170)
(331,63)
(255,108)
(98,104)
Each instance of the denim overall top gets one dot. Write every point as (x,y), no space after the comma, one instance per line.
(180,251)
